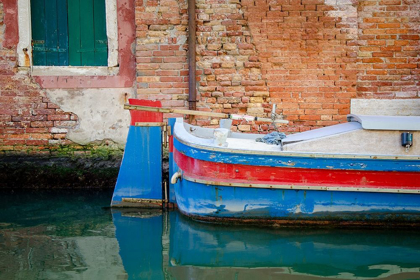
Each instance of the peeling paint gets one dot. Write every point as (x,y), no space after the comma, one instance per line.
(93,107)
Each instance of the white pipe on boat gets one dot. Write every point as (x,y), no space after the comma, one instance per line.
(175,177)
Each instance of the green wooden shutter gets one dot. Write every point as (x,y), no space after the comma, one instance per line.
(49,32)
(101,40)
(88,44)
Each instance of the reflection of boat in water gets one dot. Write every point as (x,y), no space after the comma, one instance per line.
(170,246)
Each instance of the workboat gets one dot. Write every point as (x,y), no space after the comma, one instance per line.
(356,171)
(365,171)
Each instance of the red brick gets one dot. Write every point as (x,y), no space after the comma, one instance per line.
(36,142)
(13,142)
(372,60)
(36,130)
(59,136)
(42,124)
(409,66)
(171,79)
(59,117)
(40,136)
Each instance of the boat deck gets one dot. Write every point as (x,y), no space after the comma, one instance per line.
(347,138)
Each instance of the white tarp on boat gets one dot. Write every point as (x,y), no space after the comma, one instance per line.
(410,123)
(322,132)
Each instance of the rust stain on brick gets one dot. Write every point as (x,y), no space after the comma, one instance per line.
(27,59)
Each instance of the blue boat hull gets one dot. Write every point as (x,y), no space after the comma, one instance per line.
(252,205)
(246,184)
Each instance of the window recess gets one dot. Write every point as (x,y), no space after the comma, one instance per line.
(69,33)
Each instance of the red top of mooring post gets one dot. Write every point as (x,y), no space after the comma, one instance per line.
(145,116)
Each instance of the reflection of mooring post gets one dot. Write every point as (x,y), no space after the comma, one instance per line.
(139,182)
(165,245)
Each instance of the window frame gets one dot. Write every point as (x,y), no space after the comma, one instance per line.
(24,48)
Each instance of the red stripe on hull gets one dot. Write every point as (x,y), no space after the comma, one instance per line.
(237,173)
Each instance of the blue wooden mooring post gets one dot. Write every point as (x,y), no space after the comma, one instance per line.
(173,167)
(139,182)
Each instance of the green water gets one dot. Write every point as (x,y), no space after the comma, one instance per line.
(74,235)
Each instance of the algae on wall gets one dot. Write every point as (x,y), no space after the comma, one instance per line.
(95,165)
(70,166)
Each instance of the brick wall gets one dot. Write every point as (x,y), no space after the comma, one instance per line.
(389,52)
(308,54)
(161,51)
(231,78)
(311,57)
(29,122)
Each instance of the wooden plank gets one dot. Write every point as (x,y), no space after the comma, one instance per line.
(195,113)
(101,40)
(63,34)
(148,124)
(74,32)
(175,111)
(38,32)
(87,34)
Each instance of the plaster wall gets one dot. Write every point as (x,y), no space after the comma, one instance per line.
(100,113)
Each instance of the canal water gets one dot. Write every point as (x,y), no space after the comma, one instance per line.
(60,235)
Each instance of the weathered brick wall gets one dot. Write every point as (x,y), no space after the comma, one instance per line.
(161,51)
(31,119)
(308,56)
(311,57)
(232,79)
(308,53)
(389,52)
(29,122)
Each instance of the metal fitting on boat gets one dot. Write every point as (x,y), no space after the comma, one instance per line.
(175,177)
(406,140)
